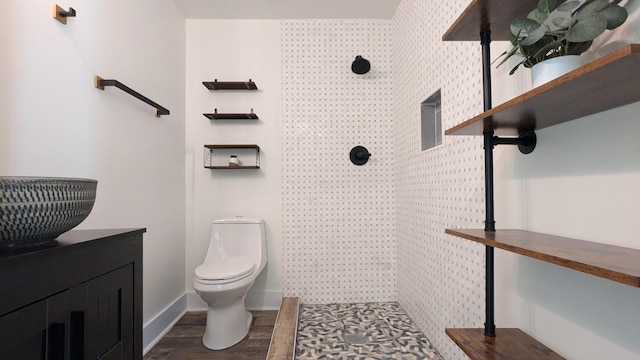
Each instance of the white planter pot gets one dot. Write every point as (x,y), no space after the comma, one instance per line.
(550,69)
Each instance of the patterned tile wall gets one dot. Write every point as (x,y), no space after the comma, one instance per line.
(440,277)
(338,218)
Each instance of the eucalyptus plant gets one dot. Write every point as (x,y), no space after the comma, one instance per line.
(569,29)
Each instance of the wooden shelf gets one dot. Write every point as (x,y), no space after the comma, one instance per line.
(606,261)
(600,85)
(483,15)
(508,344)
(232,116)
(230,85)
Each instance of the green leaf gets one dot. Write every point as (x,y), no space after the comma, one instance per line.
(587,29)
(516,67)
(591,7)
(547,6)
(522,27)
(615,15)
(533,36)
(569,5)
(507,55)
(537,16)
(563,22)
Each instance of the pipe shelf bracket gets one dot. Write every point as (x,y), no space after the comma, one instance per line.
(526,141)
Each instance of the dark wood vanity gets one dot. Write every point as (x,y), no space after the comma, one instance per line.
(78,299)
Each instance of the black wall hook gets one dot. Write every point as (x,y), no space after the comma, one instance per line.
(61,14)
(359,155)
(70,13)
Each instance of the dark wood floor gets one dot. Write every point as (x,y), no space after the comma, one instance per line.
(184,340)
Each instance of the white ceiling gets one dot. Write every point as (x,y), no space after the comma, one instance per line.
(288,9)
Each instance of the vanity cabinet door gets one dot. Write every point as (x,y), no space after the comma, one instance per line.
(92,320)
(109,317)
(23,333)
(66,324)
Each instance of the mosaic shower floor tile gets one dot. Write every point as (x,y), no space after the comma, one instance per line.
(361,331)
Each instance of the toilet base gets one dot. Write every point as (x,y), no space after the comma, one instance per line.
(226,325)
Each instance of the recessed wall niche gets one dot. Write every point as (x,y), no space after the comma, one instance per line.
(431,121)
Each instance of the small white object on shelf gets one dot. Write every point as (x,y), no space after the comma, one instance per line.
(233,161)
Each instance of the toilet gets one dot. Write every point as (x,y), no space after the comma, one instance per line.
(237,254)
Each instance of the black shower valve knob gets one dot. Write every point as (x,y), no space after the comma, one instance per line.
(359,155)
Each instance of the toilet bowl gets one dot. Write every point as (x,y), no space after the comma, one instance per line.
(237,254)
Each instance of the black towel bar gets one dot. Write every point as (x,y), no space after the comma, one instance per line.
(100,83)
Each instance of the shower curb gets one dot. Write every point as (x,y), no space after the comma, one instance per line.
(283,338)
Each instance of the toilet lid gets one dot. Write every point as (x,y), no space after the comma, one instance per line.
(225,268)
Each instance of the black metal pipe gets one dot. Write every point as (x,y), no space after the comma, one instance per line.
(489,224)
(489,325)
(510,141)
(485,41)
(159,109)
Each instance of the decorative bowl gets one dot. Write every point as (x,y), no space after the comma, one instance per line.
(35,210)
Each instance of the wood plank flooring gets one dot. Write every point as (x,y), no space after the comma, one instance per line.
(184,340)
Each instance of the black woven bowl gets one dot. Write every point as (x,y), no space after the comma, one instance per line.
(35,210)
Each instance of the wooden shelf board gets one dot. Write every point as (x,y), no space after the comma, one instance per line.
(483,15)
(610,262)
(600,85)
(232,116)
(509,344)
(230,85)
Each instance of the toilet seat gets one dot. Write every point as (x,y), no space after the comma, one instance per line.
(224,270)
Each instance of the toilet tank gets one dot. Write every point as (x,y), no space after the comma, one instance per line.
(238,236)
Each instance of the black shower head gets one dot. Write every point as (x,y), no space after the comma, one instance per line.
(360,65)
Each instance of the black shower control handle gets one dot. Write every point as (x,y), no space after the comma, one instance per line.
(359,155)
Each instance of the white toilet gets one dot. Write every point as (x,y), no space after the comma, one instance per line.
(237,254)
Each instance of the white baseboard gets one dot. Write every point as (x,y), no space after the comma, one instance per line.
(262,300)
(157,327)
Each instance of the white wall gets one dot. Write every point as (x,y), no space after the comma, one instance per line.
(234,50)
(55,123)
(581,181)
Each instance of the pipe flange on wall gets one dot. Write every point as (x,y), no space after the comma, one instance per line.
(359,155)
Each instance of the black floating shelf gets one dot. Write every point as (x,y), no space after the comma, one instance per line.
(233,146)
(228,116)
(230,85)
